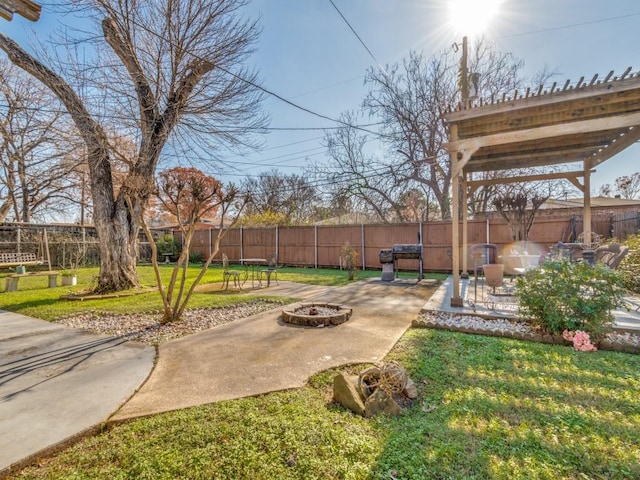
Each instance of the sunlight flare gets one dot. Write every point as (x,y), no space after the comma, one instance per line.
(472,17)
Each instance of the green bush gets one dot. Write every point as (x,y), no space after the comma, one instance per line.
(562,295)
(167,245)
(196,257)
(629,268)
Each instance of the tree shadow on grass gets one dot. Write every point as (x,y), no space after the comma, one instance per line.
(495,408)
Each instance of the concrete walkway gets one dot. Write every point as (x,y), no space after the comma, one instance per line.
(57,383)
(261,354)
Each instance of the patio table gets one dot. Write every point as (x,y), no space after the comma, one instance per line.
(520,263)
(251,268)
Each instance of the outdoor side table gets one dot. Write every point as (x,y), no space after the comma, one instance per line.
(251,269)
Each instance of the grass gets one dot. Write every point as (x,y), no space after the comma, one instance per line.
(45,303)
(488,408)
(35,300)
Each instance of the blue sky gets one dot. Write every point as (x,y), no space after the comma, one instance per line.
(308,55)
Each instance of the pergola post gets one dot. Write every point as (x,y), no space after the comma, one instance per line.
(586,213)
(456,299)
(465,255)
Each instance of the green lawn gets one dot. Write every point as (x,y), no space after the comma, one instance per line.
(488,408)
(35,300)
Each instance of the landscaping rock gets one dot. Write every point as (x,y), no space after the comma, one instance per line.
(381,402)
(347,393)
(410,389)
(619,340)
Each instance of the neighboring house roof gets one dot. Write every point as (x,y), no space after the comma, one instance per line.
(595,202)
(25,8)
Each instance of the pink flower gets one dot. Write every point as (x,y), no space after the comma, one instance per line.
(581,340)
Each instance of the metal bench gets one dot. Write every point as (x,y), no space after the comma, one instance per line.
(15,259)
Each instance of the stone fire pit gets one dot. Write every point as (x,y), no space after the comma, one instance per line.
(316,314)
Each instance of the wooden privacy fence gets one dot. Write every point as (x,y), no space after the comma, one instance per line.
(320,245)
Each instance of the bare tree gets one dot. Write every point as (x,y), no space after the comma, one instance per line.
(626,186)
(481,201)
(333,203)
(165,70)
(409,100)
(519,211)
(288,199)
(355,173)
(38,152)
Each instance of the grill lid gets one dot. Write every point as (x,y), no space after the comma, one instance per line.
(409,250)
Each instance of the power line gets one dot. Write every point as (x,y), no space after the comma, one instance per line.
(271,93)
(221,129)
(356,34)
(292,143)
(573,25)
(264,89)
(307,152)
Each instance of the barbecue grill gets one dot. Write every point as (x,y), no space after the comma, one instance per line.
(409,251)
(385,256)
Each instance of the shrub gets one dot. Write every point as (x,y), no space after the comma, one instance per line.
(168,245)
(560,295)
(629,268)
(196,257)
(350,258)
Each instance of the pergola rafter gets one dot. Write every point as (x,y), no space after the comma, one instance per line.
(25,8)
(587,123)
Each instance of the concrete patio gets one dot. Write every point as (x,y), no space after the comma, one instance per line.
(478,300)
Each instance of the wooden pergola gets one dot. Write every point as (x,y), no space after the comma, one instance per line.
(586,124)
(25,8)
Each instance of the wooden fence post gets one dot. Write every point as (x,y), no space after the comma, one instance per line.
(315,246)
(364,252)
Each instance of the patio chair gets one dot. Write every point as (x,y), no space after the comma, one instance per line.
(611,255)
(632,303)
(596,241)
(227,274)
(272,269)
(482,254)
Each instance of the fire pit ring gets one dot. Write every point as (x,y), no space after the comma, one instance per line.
(316,314)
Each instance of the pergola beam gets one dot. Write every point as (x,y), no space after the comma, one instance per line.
(622,142)
(474,184)
(607,87)
(545,132)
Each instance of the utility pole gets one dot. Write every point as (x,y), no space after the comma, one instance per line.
(464,74)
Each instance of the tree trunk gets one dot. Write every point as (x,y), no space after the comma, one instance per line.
(118,251)
(116,223)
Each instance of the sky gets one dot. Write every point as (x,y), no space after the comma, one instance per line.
(309,55)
